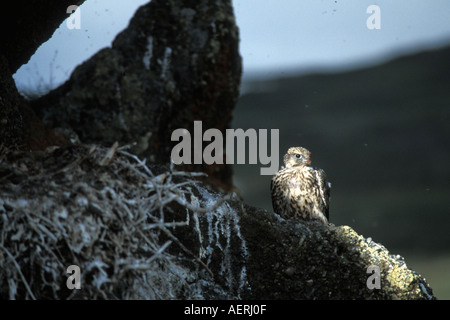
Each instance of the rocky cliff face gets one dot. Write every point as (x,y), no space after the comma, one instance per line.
(134,226)
(178,61)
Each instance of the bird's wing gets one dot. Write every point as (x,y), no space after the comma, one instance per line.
(278,190)
(275,191)
(324,191)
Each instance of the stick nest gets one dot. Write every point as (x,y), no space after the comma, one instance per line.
(100,209)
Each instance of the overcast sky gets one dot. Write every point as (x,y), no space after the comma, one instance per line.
(277,36)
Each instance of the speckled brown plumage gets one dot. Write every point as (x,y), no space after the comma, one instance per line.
(299,190)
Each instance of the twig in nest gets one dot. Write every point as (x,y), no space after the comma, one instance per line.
(186,250)
(20,271)
(74,163)
(140,162)
(109,154)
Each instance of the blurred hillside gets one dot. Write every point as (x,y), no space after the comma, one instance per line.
(382,134)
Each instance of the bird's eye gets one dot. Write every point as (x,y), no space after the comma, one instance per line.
(298,156)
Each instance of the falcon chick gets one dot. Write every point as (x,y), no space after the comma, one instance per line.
(299,190)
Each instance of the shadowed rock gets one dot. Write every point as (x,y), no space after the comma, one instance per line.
(178,61)
(11,121)
(25,25)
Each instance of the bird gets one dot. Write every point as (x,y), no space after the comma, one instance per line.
(299,190)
